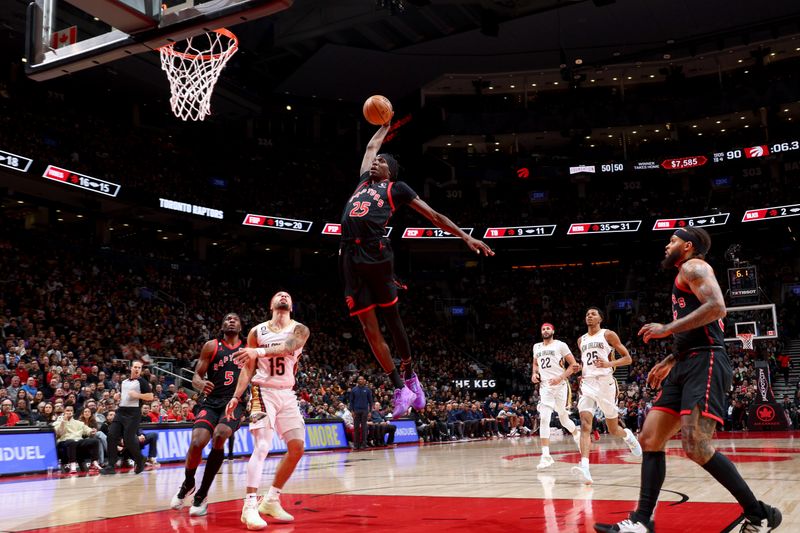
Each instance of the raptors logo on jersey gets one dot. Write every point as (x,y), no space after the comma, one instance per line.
(594,347)
(275,372)
(368,211)
(550,359)
(223,372)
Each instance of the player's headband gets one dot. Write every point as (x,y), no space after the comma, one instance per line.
(391,162)
(548,324)
(688,237)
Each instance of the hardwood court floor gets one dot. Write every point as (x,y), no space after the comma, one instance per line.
(483,486)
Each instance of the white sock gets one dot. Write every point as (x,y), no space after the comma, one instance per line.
(545,450)
(251,499)
(585,462)
(273,494)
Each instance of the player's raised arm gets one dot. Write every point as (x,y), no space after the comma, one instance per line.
(199,381)
(613,340)
(373,146)
(442,222)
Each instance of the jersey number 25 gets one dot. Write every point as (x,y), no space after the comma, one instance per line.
(360,209)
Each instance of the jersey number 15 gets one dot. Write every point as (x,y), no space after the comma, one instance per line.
(276,366)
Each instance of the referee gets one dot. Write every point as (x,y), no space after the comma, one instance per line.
(129,415)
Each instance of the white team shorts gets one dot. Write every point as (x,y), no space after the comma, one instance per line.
(600,391)
(554,398)
(280,406)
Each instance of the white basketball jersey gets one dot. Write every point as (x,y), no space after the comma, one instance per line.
(550,359)
(275,371)
(594,347)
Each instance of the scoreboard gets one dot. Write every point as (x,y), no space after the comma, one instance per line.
(766,213)
(617,226)
(519,231)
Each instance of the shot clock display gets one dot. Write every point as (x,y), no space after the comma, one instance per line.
(743,281)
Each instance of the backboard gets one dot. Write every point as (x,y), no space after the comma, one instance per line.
(761,321)
(65,36)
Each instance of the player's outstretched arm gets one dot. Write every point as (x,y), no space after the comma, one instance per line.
(373,146)
(442,222)
(296,340)
(199,381)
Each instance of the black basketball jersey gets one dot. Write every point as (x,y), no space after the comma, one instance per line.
(367,213)
(684,302)
(223,372)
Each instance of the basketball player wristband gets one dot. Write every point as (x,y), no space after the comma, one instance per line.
(262,352)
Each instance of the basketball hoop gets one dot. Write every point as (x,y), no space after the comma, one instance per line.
(194,70)
(747,340)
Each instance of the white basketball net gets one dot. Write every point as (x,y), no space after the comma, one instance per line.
(194,70)
(747,340)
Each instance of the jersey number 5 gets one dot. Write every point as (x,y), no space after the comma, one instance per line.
(276,366)
(360,209)
(228,378)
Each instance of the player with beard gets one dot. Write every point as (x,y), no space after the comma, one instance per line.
(696,379)
(274,348)
(553,364)
(599,388)
(215,376)
(366,263)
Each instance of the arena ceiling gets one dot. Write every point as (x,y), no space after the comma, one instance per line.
(346,49)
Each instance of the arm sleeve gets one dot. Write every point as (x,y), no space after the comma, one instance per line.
(401,194)
(144,386)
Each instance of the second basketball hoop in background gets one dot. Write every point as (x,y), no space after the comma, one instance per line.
(193,67)
(378,110)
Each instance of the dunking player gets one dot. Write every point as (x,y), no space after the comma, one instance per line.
(366,263)
(693,395)
(216,376)
(275,346)
(599,388)
(553,364)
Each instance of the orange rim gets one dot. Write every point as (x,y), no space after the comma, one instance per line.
(170,48)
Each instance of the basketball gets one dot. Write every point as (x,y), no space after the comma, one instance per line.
(378,110)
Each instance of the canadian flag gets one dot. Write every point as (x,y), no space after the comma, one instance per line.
(64,37)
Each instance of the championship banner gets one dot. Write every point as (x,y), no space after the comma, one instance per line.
(173,442)
(765,413)
(25,451)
